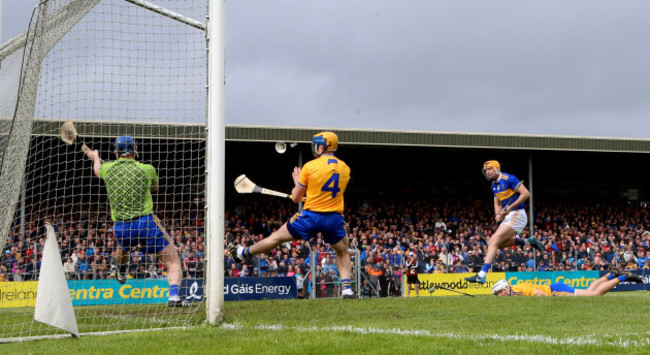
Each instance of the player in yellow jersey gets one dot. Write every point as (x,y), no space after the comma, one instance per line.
(323,182)
(596,288)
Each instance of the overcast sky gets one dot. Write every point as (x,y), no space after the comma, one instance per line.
(579,67)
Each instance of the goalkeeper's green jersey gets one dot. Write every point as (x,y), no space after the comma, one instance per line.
(128,184)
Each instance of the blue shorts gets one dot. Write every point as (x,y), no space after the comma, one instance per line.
(306,224)
(147,231)
(562,289)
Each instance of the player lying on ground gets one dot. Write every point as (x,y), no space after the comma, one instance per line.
(129,185)
(509,209)
(596,288)
(324,180)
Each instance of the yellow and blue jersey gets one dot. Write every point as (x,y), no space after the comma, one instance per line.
(555,289)
(326,178)
(528,289)
(504,190)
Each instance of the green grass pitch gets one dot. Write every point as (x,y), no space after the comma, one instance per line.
(617,323)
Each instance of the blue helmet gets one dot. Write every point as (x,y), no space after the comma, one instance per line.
(125,145)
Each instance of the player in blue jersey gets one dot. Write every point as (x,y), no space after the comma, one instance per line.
(509,209)
(322,181)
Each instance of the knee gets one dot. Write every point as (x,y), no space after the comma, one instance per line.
(280,236)
(343,254)
(170,256)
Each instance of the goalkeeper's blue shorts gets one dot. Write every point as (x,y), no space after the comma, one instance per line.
(146,231)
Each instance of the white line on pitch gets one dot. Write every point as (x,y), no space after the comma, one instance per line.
(545,339)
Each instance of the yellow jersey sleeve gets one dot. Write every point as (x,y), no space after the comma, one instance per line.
(528,289)
(326,179)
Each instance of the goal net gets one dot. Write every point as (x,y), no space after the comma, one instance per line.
(113,68)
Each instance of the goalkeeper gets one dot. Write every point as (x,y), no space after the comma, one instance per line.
(129,185)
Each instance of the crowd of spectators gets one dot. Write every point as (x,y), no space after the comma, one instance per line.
(87,245)
(450,237)
(446,236)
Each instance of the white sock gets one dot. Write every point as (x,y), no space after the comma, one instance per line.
(348,291)
(240,252)
(174,298)
(482,274)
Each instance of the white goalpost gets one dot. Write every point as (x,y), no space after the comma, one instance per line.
(112,68)
(216,159)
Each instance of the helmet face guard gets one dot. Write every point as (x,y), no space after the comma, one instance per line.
(495,166)
(316,143)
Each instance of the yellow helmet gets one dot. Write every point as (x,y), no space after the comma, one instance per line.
(494,165)
(329,140)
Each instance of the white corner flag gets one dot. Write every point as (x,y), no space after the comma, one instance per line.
(53,303)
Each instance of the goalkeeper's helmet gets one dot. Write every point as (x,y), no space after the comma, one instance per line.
(499,285)
(125,145)
(495,166)
(329,140)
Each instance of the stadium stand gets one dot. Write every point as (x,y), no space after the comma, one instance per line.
(446,236)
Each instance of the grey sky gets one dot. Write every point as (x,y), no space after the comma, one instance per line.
(556,67)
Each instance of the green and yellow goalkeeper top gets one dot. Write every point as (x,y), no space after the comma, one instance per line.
(128,184)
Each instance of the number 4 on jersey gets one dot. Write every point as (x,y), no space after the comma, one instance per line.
(332,185)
